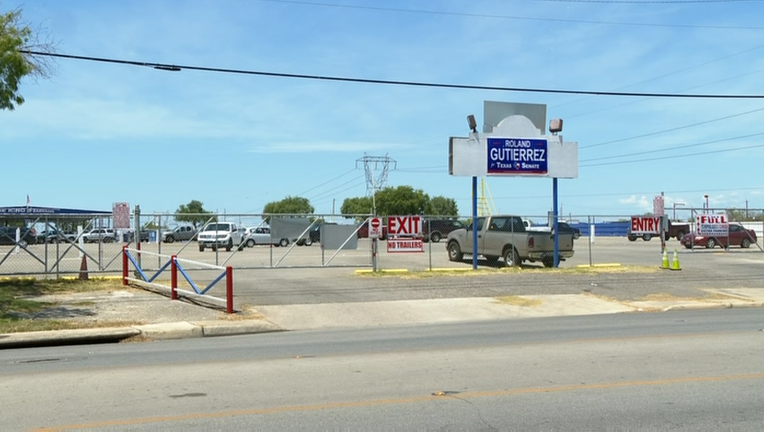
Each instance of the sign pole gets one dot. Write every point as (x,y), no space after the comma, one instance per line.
(474,223)
(555,225)
(374,255)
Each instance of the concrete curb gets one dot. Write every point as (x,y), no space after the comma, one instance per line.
(224,328)
(66,337)
(721,305)
(177,330)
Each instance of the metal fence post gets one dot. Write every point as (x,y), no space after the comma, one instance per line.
(174,277)
(229,289)
(124,265)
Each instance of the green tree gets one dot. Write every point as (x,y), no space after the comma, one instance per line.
(442,206)
(289,205)
(17,36)
(357,206)
(193,212)
(743,215)
(401,200)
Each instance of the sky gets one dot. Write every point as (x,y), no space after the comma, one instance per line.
(99,133)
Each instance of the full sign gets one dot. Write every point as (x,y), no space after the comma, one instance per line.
(713,225)
(517,156)
(645,225)
(404,226)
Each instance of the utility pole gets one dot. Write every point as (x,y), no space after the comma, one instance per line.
(376,168)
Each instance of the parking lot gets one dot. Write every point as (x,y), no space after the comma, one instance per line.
(271,275)
(106,257)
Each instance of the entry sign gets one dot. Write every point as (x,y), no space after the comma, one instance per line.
(375,227)
(645,225)
(517,156)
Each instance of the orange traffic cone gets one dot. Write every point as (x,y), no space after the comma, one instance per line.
(675,261)
(665,263)
(84,268)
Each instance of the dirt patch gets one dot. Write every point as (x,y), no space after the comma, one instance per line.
(519,301)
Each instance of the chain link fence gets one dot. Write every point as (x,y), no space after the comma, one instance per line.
(57,246)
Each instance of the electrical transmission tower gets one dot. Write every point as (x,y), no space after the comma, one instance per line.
(376,168)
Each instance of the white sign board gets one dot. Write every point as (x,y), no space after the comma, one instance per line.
(645,225)
(375,227)
(403,245)
(713,225)
(404,226)
(471,157)
(658,208)
(121,214)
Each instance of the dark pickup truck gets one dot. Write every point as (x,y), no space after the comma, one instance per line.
(675,230)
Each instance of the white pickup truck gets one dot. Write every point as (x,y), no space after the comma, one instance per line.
(216,235)
(505,236)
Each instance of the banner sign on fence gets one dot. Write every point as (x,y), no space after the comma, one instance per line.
(713,225)
(400,245)
(404,234)
(410,226)
(645,225)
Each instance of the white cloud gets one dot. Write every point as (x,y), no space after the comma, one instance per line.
(327,146)
(641,202)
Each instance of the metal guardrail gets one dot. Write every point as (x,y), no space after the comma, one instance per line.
(173,263)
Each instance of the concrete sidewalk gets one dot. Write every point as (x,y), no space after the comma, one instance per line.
(358,315)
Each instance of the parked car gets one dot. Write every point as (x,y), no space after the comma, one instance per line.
(256,236)
(675,229)
(314,235)
(8,236)
(104,235)
(179,234)
(220,235)
(50,236)
(505,236)
(436,229)
(738,236)
(564,228)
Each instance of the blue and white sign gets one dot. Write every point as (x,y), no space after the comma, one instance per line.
(517,156)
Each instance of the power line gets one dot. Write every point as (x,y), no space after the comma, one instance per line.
(673,148)
(517,18)
(675,156)
(672,2)
(326,182)
(671,130)
(335,189)
(176,68)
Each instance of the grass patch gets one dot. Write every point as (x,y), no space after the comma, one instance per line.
(16,325)
(519,301)
(15,302)
(671,297)
(482,271)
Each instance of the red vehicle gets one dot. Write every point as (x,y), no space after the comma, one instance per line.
(738,236)
(363,230)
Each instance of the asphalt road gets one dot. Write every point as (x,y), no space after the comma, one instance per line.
(693,370)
